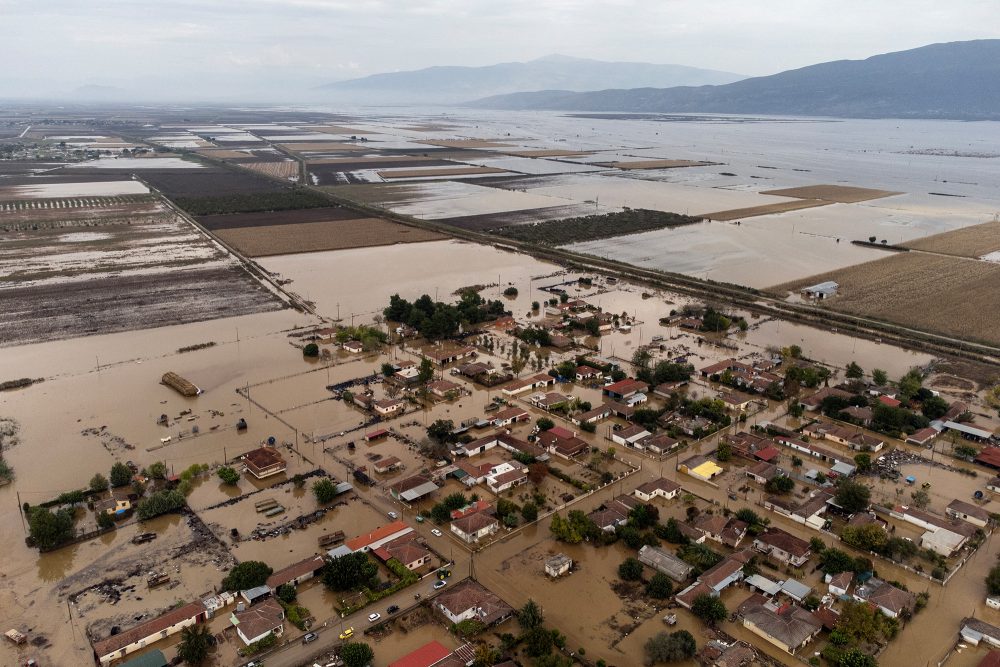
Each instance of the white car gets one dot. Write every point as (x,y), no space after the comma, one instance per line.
(435,532)
(374,617)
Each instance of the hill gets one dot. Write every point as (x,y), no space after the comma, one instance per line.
(958,80)
(457,84)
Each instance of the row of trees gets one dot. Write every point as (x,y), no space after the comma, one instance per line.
(436,319)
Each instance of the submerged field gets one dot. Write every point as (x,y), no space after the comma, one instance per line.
(974,241)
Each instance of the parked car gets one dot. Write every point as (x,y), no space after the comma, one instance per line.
(440,584)
(348,633)
(435,532)
(374,617)
(309,637)
(393,515)
(393,609)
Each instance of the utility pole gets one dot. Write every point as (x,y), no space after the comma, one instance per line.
(20,511)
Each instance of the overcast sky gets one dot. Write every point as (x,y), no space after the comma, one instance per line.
(273,48)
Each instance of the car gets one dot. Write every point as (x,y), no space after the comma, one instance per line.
(393,515)
(348,633)
(309,637)
(374,617)
(440,584)
(393,609)
(435,532)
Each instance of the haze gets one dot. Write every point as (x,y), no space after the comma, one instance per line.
(277,50)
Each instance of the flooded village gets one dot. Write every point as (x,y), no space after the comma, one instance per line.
(297,388)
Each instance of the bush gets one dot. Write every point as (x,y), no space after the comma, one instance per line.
(287,593)
(659,587)
(630,570)
(105,520)
(159,503)
(325,491)
(121,475)
(673,647)
(510,291)
(248,574)
(544,423)
(229,475)
(98,483)
(310,350)
(709,609)
(356,654)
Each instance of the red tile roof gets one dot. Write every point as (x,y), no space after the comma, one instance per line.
(380,533)
(429,654)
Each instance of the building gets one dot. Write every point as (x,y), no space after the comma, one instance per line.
(783,546)
(510,416)
(407,551)
(665,562)
(716,579)
(471,600)
(550,400)
(630,436)
(444,388)
(527,384)
(428,655)
(506,476)
(150,632)
(815,401)
(661,443)
(969,431)
(119,503)
(475,527)
(820,291)
(295,574)
(974,631)
(660,487)
(959,509)
(259,621)
(735,401)
(788,627)
(387,464)
(389,406)
(592,416)
(584,373)
(353,346)
(444,354)
(700,467)
(622,389)
(922,437)
(562,443)
(840,584)
(412,488)
(944,536)
(264,462)
(890,600)
(558,565)
(378,537)
(762,472)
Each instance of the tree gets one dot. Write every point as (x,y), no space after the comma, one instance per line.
(50,529)
(855,657)
(909,385)
(349,572)
(630,570)
(286,593)
(310,350)
(673,647)
(659,587)
(780,484)
(229,475)
(993,580)
(544,424)
(529,511)
(160,502)
(530,616)
(425,371)
(921,498)
(98,483)
(724,451)
(388,370)
(105,520)
(863,461)
(854,371)
(441,430)
(709,609)
(934,407)
(121,475)
(194,645)
(852,496)
(356,654)
(869,537)
(517,364)
(325,491)
(880,377)
(248,574)
(538,642)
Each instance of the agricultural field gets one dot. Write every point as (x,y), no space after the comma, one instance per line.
(593,227)
(974,241)
(274,218)
(843,194)
(945,295)
(654,164)
(250,202)
(465,143)
(286,239)
(442,172)
(285,169)
(765,209)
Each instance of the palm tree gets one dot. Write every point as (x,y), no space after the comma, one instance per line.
(194,645)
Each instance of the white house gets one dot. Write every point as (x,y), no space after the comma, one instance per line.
(259,621)
(474,527)
(506,476)
(661,487)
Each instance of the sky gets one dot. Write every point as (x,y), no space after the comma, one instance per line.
(272,50)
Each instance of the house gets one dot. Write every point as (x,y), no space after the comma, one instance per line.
(944,536)
(661,444)
(147,633)
(840,583)
(555,441)
(444,354)
(922,437)
(735,402)
(977,516)
(783,546)
(815,401)
(890,600)
(609,518)
(969,432)
(389,406)
(264,462)
(624,388)
(630,436)
(470,473)
(428,655)
(378,537)
(820,291)
(762,472)
(371,436)
(521,447)
(994,485)
(721,529)
(584,373)
(296,573)
(747,444)
(527,384)
(859,414)
(592,416)
(700,467)
(506,476)
(558,565)
(668,389)
(412,488)
(407,551)
(722,366)
(510,416)
(387,464)
(788,627)
(660,487)
(407,374)
(444,388)
(665,562)
(364,401)
(550,400)
(471,600)
(259,622)
(890,401)
(989,457)
(118,503)
(471,508)
(475,527)
(353,346)
(716,579)
(974,631)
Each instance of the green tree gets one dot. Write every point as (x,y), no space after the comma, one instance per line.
(993,580)
(388,370)
(672,647)
(880,377)
(425,371)
(349,572)
(310,350)
(245,575)
(50,529)
(159,503)
(287,593)
(195,644)
(855,657)
(105,520)
(98,483)
(356,654)
(324,490)
(780,484)
(709,609)
(852,496)
(529,511)
(934,407)
(229,475)
(630,570)
(921,498)
(157,470)
(121,475)
(863,461)
(724,451)
(441,430)
(538,642)
(544,423)
(659,587)
(868,537)
(854,371)
(530,616)
(909,385)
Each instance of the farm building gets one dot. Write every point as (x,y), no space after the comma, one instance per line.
(665,562)
(150,632)
(296,573)
(558,565)
(820,291)
(264,462)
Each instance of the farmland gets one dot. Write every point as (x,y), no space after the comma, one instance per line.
(593,227)
(273,218)
(974,241)
(444,171)
(654,164)
(286,169)
(945,295)
(843,194)
(286,239)
(765,209)
(251,202)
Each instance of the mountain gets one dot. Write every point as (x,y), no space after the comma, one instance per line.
(457,84)
(957,80)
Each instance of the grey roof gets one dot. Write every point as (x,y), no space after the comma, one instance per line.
(970,430)
(842,468)
(418,491)
(764,584)
(337,552)
(828,287)
(793,627)
(256,592)
(665,562)
(796,589)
